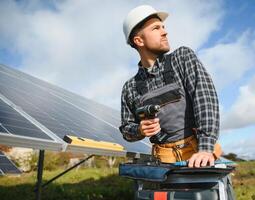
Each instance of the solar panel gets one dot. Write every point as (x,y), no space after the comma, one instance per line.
(60,111)
(13,122)
(7,166)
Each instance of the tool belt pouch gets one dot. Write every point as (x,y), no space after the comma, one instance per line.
(144,172)
(182,150)
(173,152)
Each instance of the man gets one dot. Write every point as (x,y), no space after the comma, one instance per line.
(187,125)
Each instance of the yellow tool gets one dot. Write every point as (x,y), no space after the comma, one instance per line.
(80,141)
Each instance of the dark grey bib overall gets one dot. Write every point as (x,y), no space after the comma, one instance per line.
(176,115)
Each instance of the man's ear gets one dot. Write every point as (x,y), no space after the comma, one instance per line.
(138,41)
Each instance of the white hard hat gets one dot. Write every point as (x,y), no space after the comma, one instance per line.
(138,14)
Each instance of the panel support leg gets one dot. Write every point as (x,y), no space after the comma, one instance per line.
(39,175)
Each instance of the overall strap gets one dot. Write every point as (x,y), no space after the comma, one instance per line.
(168,73)
(168,76)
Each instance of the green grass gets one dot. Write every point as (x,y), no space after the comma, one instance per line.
(102,184)
(83,184)
(244,181)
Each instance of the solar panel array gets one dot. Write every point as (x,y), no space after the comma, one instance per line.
(30,107)
(7,166)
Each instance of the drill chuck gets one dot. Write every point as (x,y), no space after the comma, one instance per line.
(148,111)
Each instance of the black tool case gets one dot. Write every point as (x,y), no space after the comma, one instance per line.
(154,181)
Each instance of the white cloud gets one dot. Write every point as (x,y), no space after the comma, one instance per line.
(108,85)
(190,24)
(78,42)
(242,112)
(229,62)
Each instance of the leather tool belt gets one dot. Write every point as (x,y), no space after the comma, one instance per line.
(180,150)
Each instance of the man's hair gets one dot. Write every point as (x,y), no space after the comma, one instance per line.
(138,27)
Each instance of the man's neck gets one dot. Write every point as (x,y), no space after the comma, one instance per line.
(148,59)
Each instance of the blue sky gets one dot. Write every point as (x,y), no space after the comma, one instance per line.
(79,45)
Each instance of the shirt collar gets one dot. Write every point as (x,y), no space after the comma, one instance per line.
(145,73)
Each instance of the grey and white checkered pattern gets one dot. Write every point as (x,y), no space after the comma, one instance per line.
(193,77)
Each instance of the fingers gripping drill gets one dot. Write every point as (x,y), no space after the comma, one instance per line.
(150,112)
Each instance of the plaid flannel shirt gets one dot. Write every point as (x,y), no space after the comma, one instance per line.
(198,84)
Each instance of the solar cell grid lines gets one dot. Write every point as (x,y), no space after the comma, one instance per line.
(61,112)
(12,122)
(50,107)
(7,166)
(106,113)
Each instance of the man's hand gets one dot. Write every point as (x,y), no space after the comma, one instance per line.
(149,127)
(201,159)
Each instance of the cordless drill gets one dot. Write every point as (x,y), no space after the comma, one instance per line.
(150,112)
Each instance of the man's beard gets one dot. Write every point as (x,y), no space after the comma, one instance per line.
(159,51)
